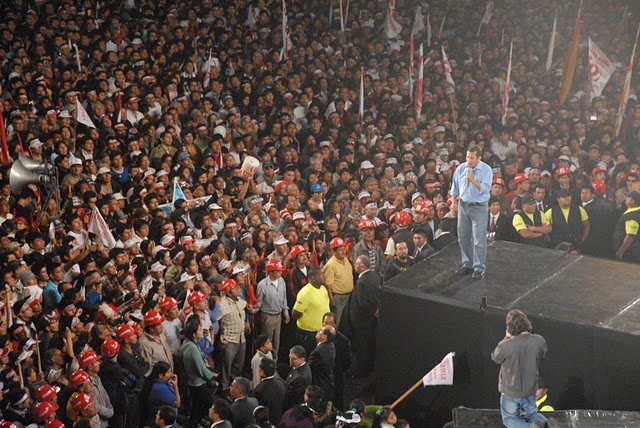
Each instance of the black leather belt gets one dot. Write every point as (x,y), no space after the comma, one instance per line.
(473,204)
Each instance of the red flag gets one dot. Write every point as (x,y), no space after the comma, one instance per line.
(447,68)
(627,87)
(570,61)
(507,84)
(419,85)
(4,147)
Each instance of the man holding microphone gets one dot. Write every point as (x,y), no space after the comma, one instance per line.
(470,188)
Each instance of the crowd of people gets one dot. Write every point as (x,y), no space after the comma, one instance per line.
(227,215)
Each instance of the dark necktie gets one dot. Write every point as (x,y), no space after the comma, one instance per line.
(492,227)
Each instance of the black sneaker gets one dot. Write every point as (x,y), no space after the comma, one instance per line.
(464,271)
(477,274)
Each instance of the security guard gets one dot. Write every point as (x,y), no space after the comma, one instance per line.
(569,222)
(529,224)
(542,401)
(625,243)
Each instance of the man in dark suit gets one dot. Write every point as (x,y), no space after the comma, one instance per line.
(299,377)
(540,196)
(271,392)
(363,312)
(602,215)
(499,227)
(322,360)
(446,237)
(423,249)
(243,405)
(220,413)
(343,358)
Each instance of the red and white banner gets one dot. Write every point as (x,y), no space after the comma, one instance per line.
(82,116)
(99,227)
(418,22)
(600,69)
(419,85)
(627,87)
(442,374)
(447,68)
(507,88)
(391,27)
(286,40)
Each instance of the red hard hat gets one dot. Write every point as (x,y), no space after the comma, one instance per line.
(124,332)
(402,218)
(227,285)
(153,318)
(8,424)
(498,180)
(54,424)
(599,187)
(563,170)
(109,348)
(273,265)
(47,393)
(78,377)
(519,178)
(337,242)
(43,410)
(81,401)
(422,207)
(366,224)
(87,358)
(168,303)
(598,169)
(195,298)
(296,251)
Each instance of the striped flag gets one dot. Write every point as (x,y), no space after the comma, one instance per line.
(627,87)
(419,86)
(570,62)
(507,84)
(286,40)
(447,68)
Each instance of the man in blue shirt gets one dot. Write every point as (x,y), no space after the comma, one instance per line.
(470,188)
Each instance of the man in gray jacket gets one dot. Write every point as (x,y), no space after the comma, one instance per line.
(519,355)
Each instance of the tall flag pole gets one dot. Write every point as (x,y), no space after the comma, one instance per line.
(444,18)
(429,30)
(552,42)
(361,111)
(411,66)
(419,86)
(627,87)
(570,62)
(507,84)
(286,41)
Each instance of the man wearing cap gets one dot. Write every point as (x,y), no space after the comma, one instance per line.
(625,235)
(90,362)
(233,326)
(153,343)
(529,224)
(85,407)
(272,304)
(402,234)
(569,222)
(367,246)
(470,189)
(522,187)
(338,273)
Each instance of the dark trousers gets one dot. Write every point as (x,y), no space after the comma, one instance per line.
(201,400)
(364,337)
(306,339)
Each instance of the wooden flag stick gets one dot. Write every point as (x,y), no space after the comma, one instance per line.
(346,14)
(341,17)
(455,119)
(407,393)
(7,305)
(20,373)
(38,354)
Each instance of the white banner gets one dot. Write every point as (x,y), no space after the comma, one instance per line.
(442,374)
(99,227)
(600,69)
(82,116)
(447,68)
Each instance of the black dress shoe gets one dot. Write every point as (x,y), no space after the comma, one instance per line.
(464,271)
(477,274)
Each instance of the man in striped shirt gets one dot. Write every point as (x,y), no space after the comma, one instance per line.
(272,303)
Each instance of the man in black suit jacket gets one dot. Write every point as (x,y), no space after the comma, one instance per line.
(445,238)
(322,360)
(243,405)
(363,314)
(423,249)
(220,413)
(271,392)
(299,377)
(499,227)
(343,359)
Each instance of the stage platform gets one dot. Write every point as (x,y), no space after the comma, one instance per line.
(588,309)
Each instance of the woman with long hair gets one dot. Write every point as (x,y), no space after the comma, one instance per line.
(385,418)
(159,389)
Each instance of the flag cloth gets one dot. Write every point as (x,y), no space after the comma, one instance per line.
(99,227)
(626,89)
(429,30)
(419,85)
(207,74)
(418,22)
(444,18)
(286,40)
(177,193)
(391,27)
(552,42)
(507,84)
(570,61)
(447,67)
(361,111)
(411,66)
(75,47)
(600,69)
(486,18)
(442,374)
(82,116)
